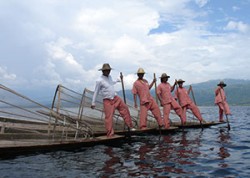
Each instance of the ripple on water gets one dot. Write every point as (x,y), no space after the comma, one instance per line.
(224,172)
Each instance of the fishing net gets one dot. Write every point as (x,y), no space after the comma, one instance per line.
(20,114)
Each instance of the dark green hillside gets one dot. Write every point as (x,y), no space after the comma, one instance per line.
(237,91)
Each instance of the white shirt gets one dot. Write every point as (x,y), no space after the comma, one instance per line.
(104,85)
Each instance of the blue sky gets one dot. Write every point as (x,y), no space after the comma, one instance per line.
(44,43)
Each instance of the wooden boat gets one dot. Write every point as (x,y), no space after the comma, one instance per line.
(28,126)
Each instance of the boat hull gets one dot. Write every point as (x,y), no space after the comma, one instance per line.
(25,146)
(196,124)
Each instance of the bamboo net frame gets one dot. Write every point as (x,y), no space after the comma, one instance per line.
(20,114)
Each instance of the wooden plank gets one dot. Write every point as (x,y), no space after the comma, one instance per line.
(32,127)
(195,124)
(32,143)
(46,142)
(171,129)
(135,132)
(154,130)
(104,137)
(37,136)
(24,126)
(12,120)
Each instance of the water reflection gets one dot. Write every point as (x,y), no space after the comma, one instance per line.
(223,151)
(172,156)
(190,148)
(109,165)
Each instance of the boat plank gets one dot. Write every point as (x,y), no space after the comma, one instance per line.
(135,132)
(195,124)
(32,127)
(171,129)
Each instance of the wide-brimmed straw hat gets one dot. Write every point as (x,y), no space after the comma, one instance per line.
(105,66)
(180,81)
(164,75)
(140,71)
(221,84)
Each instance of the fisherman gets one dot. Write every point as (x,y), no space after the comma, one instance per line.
(167,101)
(220,100)
(186,103)
(142,88)
(105,85)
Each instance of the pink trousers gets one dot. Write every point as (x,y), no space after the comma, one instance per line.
(166,111)
(195,110)
(223,107)
(154,108)
(109,110)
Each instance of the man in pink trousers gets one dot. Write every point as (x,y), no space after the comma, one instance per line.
(147,102)
(105,85)
(186,103)
(168,102)
(220,100)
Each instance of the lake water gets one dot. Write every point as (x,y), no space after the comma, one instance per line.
(212,152)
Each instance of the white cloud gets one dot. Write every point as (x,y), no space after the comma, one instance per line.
(128,48)
(59,56)
(129,80)
(201,3)
(236,8)
(5,76)
(238,26)
(68,41)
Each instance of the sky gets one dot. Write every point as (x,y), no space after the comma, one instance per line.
(44,43)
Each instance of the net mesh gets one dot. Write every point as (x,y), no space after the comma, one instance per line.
(20,114)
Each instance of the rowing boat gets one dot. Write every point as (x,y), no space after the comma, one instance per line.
(28,126)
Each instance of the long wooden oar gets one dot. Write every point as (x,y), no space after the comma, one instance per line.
(192,92)
(123,90)
(228,125)
(156,98)
(177,92)
(124,98)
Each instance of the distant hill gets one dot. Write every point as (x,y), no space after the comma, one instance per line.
(237,92)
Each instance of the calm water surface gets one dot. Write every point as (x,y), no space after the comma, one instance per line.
(213,152)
